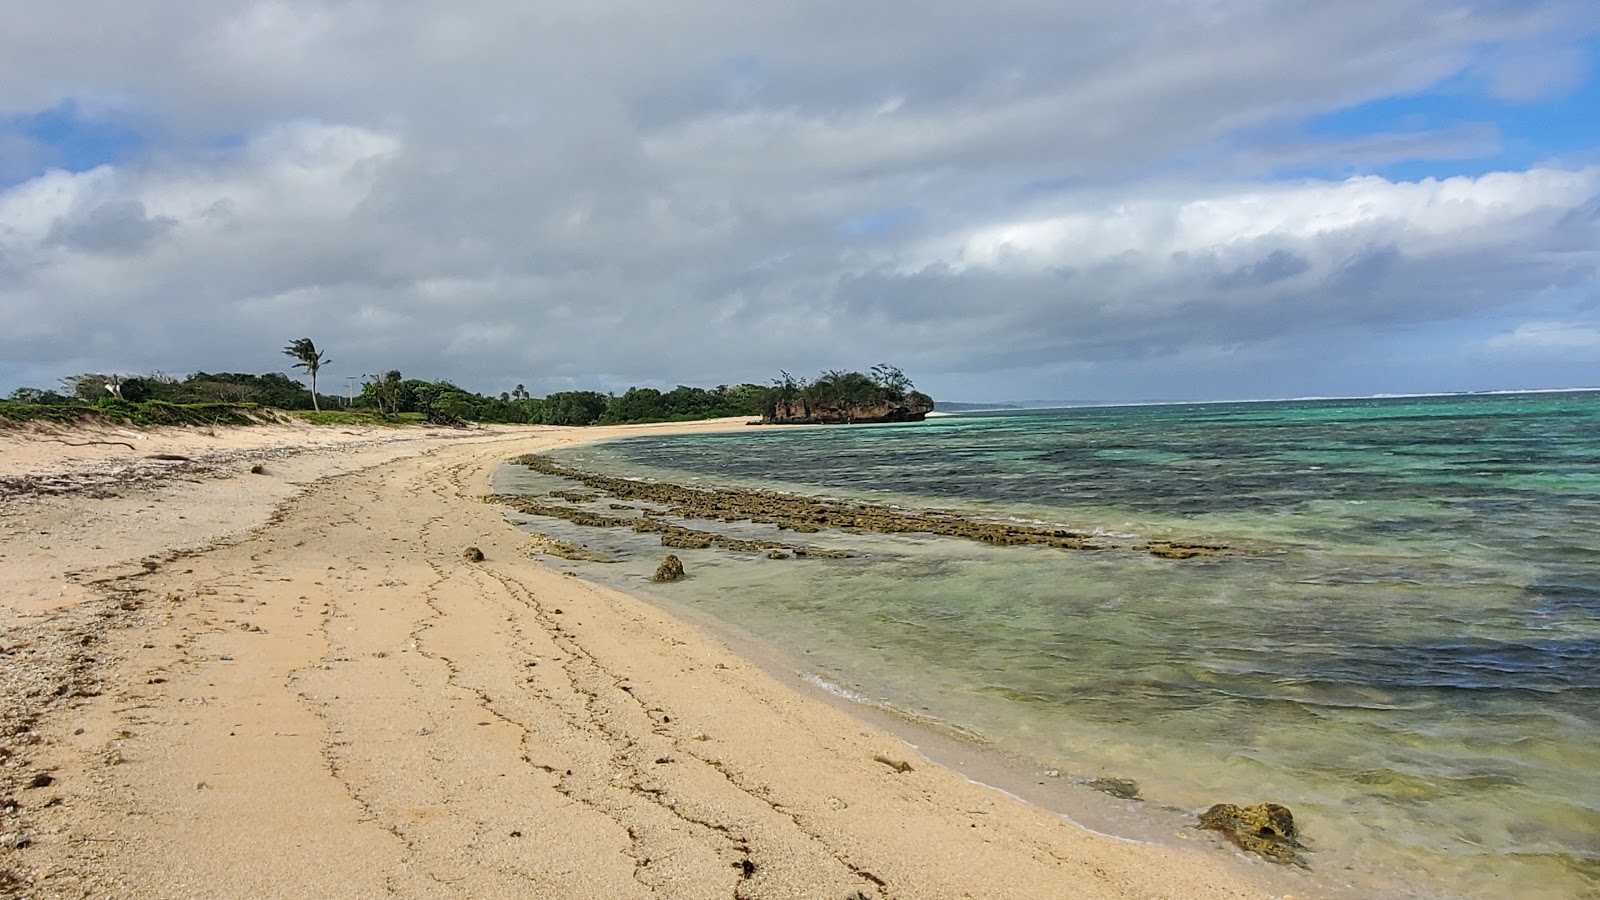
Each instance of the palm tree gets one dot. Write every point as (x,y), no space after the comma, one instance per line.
(310,359)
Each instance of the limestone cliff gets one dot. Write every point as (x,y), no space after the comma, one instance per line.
(798,411)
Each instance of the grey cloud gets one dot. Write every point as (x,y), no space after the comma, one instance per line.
(116,226)
(599,195)
(1274,267)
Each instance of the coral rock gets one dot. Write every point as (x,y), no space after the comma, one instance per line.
(671,569)
(1267,829)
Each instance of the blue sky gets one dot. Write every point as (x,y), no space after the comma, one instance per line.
(64,138)
(1034,200)
(1558,125)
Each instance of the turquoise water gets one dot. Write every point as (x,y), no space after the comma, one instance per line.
(1405,649)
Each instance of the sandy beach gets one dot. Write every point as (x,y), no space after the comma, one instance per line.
(266,669)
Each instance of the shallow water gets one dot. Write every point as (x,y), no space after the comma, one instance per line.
(1406,649)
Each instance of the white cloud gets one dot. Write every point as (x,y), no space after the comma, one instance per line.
(1417,217)
(1542,339)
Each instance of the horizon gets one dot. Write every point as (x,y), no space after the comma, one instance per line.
(1049,405)
(1029,200)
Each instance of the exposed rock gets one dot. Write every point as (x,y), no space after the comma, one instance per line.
(913,408)
(1181,549)
(671,569)
(803,515)
(472,554)
(1121,788)
(1267,829)
(549,546)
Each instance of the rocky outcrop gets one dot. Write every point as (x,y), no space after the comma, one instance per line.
(671,569)
(799,411)
(1267,829)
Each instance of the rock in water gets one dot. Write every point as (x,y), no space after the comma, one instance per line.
(472,554)
(1267,829)
(1121,788)
(671,569)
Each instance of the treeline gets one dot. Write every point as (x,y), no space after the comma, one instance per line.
(442,401)
(273,389)
(155,397)
(391,395)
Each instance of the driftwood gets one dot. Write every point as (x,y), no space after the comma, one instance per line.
(91,443)
(173,457)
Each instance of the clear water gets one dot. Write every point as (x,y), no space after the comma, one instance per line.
(1407,653)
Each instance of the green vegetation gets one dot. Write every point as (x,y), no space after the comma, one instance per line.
(150,412)
(356,417)
(222,398)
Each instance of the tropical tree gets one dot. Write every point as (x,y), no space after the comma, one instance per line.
(91,386)
(310,359)
(386,391)
(891,379)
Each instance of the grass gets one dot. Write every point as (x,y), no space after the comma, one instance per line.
(155,412)
(355,417)
(159,412)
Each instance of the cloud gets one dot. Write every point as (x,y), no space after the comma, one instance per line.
(1543,339)
(116,226)
(598,195)
(1537,73)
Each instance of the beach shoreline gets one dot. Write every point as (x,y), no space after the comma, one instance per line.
(228,683)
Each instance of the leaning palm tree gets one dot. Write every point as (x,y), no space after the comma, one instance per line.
(310,359)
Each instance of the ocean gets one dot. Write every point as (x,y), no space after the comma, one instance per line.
(1400,642)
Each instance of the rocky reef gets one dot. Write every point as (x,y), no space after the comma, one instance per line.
(789,512)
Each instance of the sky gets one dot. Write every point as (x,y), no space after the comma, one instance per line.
(1062,201)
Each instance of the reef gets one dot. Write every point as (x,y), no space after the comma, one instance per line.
(676,536)
(1181,549)
(802,515)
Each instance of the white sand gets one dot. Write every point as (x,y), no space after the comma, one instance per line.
(291,684)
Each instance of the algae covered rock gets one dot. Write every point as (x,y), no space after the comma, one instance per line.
(671,569)
(1121,788)
(1267,829)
